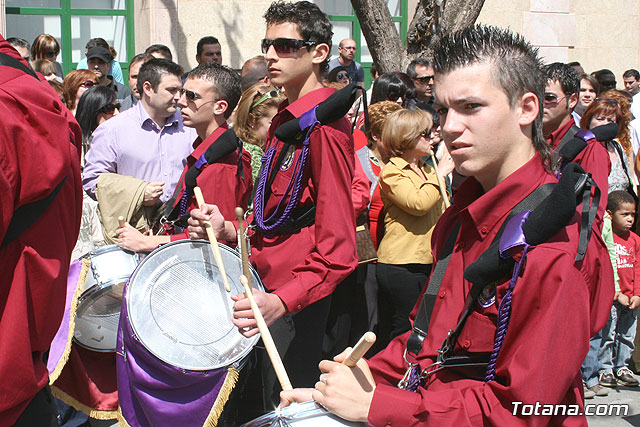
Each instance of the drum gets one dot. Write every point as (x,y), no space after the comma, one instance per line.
(99,305)
(179,310)
(307,414)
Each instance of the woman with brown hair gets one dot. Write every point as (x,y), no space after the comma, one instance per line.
(412,206)
(75,84)
(45,46)
(609,108)
(257,106)
(613,107)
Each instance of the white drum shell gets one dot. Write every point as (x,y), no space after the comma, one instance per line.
(98,311)
(306,414)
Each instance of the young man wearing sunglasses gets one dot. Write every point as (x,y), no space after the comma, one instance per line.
(560,98)
(148,141)
(300,262)
(209,95)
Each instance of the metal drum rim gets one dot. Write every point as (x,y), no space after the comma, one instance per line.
(253,340)
(107,248)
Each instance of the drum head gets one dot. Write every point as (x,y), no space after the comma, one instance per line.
(179,310)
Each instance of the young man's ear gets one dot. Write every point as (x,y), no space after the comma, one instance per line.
(220,107)
(529,108)
(572,101)
(320,53)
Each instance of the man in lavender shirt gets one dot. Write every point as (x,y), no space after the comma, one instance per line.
(148,141)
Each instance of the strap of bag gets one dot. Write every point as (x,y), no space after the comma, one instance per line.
(10,61)
(423,317)
(26,215)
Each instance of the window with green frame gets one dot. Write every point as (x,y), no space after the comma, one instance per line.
(346,25)
(73,23)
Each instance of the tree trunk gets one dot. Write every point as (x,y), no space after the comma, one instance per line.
(382,38)
(432,17)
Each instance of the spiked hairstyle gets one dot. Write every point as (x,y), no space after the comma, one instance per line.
(516,67)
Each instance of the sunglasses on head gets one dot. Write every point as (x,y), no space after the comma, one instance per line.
(613,101)
(263,98)
(341,76)
(424,79)
(109,108)
(88,84)
(284,45)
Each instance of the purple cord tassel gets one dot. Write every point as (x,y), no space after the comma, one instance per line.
(265,225)
(504,314)
(415,380)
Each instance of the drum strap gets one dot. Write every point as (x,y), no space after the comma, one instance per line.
(26,215)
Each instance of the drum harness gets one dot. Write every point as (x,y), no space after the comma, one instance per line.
(26,215)
(176,213)
(533,221)
(288,217)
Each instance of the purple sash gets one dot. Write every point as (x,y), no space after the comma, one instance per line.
(153,393)
(61,344)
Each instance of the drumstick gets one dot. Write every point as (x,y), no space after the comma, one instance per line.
(360,349)
(214,242)
(278,366)
(443,189)
(243,245)
(120,221)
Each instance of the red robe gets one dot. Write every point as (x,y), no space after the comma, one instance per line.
(40,144)
(557,306)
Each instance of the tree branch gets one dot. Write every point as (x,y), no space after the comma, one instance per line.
(380,32)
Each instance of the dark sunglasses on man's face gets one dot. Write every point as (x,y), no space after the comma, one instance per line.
(284,45)
(191,95)
(424,79)
(109,108)
(551,99)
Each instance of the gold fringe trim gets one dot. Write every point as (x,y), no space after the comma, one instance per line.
(86,265)
(223,396)
(216,411)
(121,420)
(93,413)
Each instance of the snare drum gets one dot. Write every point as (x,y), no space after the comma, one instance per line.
(99,305)
(179,310)
(307,414)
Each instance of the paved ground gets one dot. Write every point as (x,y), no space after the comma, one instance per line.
(620,395)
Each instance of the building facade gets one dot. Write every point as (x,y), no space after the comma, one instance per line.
(597,34)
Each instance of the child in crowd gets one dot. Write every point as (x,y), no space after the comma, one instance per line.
(619,332)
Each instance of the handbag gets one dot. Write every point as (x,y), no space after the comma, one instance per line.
(364,243)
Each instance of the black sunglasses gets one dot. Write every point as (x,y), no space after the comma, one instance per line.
(424,79)
(552,99)
(109,108)
(88,84)
(284,45)
(191,95)
(341,76)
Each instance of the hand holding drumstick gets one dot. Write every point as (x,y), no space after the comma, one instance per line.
(343,390)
